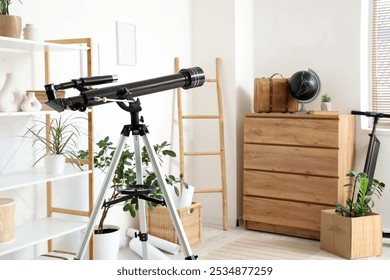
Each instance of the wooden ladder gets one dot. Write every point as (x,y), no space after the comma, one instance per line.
(221,152)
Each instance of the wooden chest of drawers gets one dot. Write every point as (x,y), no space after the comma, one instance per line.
(294,167)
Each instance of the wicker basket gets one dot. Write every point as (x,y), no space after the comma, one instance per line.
(160,224)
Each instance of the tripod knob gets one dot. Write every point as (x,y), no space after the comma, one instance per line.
(141,119)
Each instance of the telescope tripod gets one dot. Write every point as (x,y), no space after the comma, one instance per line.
(137,130)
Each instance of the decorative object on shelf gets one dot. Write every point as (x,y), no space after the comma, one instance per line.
(30,32)
(10,99)
(10,25)
(62,141)
(326,104)
(305,87)
(7,220)
(353,230)
(30,103)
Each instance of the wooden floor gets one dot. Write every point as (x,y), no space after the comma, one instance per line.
(240,244)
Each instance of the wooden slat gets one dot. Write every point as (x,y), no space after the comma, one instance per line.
(202,153)
(200,117)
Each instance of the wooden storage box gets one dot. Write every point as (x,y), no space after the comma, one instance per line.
(7,220)
(159,223)
(351,238)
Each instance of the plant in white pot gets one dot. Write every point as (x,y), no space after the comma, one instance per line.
(56,141)
(326,104)
(10,25)
(125,174)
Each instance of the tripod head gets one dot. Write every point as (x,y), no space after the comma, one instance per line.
(186,78)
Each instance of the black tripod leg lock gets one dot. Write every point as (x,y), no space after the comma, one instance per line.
(142,236)
(191,258)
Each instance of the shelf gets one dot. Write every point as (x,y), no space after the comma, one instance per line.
(38,231)
(21,114)
(12,45)
(13,180)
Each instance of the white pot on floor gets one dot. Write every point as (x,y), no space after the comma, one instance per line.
(106,245)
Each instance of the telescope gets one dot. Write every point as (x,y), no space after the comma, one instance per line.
(186,79)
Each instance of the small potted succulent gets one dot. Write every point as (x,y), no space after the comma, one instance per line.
(326,104)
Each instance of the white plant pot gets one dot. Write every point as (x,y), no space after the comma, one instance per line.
(54,164)
(106,245)
(326,106)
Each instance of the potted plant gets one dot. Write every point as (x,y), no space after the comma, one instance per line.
(10,25)
(353,230)
(326,104)
(58,141)
(125,174)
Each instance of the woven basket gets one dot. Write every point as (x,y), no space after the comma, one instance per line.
(160,224)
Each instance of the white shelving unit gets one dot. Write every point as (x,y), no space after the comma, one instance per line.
(45,229)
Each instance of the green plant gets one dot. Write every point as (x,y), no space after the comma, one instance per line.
(125,173)
(326,98)
(4,6)
(363,203)
(60,137)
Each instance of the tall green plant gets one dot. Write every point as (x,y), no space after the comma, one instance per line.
(125,173)
(363,202)
(4,6)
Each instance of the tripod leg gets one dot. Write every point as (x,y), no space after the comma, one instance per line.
(100,199)
(168,199)
(141,202)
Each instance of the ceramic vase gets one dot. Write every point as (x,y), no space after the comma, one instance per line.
(9,100)
(31,103)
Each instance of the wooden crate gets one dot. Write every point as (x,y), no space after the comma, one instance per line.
(351,238)
(160,224)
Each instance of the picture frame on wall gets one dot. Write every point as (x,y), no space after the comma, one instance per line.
(126,43)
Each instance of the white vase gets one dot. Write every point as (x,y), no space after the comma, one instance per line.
(54,164)
(31,103)
(106,245)
(9,99)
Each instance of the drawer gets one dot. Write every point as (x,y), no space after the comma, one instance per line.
(303,188)
(292,131)
(285,213)
(287,159)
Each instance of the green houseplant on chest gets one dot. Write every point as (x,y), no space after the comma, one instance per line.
(10,25)
(353,230)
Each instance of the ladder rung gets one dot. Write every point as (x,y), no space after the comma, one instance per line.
(70,211)
(208,191)
(200,117)
(211,80)
(202,153)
